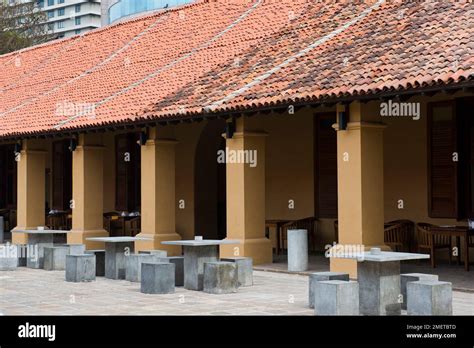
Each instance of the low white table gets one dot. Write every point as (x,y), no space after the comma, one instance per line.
(196,253)
(115,249)
(37,241)
(378,274)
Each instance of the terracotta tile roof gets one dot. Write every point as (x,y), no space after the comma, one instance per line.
(214,56)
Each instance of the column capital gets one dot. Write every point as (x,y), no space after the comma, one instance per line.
(361,124)
(90,147)
(246,134)
(151,142)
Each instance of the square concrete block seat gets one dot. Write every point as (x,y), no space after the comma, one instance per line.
(244,269)
(429,297)
(157,278)
(99,261)
(412,277)
(80,268)
(320,276)
(116,251)
(220,277)
(336,297)
(179,268)
(35,249)
(160,253)
(22,254)
(8,261)
(133,265)
(55,258)
(196,254)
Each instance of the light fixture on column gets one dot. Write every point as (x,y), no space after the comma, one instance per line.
(342,120)
(18,147)
(72,144)
(230,128)
(143,137)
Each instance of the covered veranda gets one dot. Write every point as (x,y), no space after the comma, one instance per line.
(304,167)
(311,114)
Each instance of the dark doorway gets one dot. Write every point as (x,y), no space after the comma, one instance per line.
(128,172)
(62,176)
(210,183)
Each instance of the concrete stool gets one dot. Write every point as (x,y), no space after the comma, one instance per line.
(321,276)
(160,253)
(297,250)
(80,268)
(157,278)
(8,263)
(99,261)
(55,258)
(8,257)
(336,297)
(244,269)
(428,297)
(133,265)
(220,277)
(179,268)
(22,254)
(412,277)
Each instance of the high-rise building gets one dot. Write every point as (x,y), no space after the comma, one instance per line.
(68,17)
(114,10)
(71,17)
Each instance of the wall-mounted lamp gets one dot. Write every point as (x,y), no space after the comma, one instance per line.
(17,147)
(142,138)
(230,128)
(72,144)
(342,120)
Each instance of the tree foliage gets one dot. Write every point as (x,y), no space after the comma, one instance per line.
(22,24)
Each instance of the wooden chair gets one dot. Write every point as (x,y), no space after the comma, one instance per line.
(428,240)
(113,224)
(57,221)
(398,234)
(302,224)
(133,226)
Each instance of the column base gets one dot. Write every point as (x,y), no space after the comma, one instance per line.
(80,237)
(350,266)
(155,243)
(259,249)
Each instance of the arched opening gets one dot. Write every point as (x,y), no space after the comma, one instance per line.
(210,183)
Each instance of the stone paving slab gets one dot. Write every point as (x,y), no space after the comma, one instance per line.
(39,292)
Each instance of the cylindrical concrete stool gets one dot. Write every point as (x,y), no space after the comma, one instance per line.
(297,250)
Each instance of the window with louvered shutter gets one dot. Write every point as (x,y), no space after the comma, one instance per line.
(442,170)
(325,166)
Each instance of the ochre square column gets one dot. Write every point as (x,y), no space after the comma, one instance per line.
(158,202)
(87,192)
(246,196)
(31,189)
(360,184)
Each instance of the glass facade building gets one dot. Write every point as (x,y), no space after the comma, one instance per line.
(125,8)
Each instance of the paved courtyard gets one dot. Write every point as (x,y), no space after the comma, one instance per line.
(38,292)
